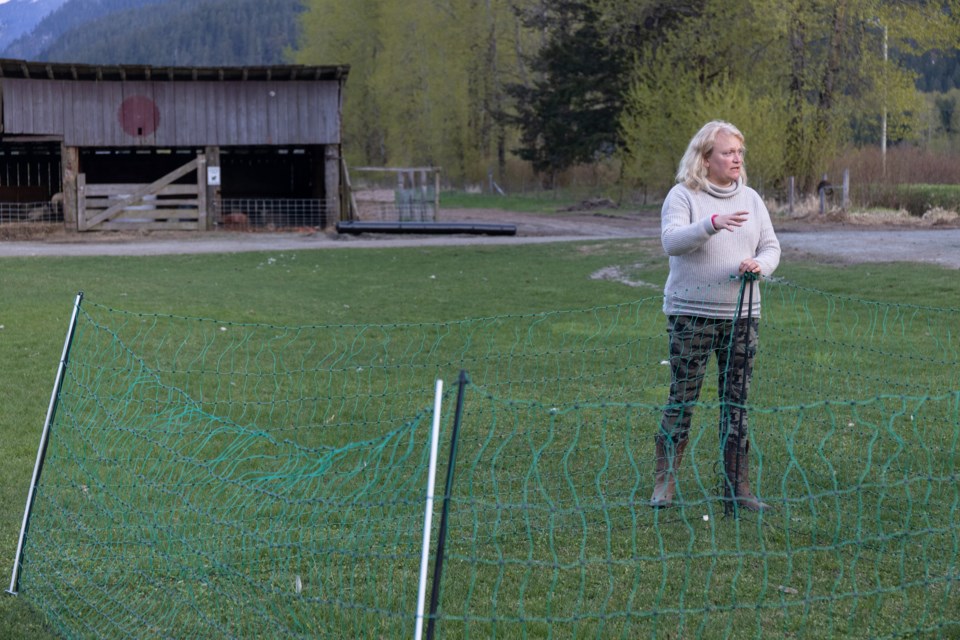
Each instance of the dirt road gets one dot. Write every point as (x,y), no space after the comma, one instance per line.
(831,242)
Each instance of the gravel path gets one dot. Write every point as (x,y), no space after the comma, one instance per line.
(832,243)
(938,246)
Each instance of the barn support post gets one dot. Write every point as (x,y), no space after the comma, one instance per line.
(348,200)
(70,168)
(331,185)
(213,190)
(203,220)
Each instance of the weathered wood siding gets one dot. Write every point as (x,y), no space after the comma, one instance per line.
(173,114)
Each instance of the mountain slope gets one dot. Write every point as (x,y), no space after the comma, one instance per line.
(182,33)
(19,17)
(70,15)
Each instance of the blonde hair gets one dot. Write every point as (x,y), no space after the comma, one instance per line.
(692,171)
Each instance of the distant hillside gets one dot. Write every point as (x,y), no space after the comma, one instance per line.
(937,70)
(68,15)
(179,33)
(18,17)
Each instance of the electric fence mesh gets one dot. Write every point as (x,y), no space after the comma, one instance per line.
(213,479)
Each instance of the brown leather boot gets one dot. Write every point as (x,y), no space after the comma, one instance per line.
(736,466)
(665,478)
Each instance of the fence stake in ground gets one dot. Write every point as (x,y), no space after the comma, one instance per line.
(428,511)
(732,486)
(442,535)
(41,452)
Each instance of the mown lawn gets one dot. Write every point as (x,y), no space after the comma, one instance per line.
(368,286)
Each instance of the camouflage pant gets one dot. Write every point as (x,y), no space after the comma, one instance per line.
(692,339)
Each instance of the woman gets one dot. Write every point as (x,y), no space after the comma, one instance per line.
(717,233)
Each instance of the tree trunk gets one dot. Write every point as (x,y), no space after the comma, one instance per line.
(796,160)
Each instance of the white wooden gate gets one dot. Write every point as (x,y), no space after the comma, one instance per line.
(159,205)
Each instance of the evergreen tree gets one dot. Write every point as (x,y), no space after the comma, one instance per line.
(569,113)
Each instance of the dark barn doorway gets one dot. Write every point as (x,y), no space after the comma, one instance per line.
(274,187)
(30,182)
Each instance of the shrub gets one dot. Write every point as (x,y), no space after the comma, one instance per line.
(915,198)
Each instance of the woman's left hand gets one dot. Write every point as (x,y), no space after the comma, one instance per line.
(749,266)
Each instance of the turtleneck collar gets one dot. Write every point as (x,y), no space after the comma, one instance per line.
(724,192)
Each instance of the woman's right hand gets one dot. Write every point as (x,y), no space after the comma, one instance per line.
(729,221)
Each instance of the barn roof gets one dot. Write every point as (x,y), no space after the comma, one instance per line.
(73,71)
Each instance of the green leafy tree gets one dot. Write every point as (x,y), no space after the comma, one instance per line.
(943,126)
(426,78)
(796,76)
(665,107)
(842,71)
(708,67)
(946,105)
(333,32)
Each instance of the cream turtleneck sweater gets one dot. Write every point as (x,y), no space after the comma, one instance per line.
(704,262)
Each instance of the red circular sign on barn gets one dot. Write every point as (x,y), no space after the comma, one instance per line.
(139,116)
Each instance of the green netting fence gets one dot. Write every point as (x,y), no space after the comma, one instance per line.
(204,478)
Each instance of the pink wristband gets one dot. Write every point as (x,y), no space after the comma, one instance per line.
(713,219)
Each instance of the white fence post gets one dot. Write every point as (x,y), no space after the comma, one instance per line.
(428,511)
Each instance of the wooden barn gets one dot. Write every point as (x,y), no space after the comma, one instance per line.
(186,148)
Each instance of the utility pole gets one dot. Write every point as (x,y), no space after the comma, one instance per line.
(883,120)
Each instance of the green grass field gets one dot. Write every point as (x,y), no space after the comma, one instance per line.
(430,285)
